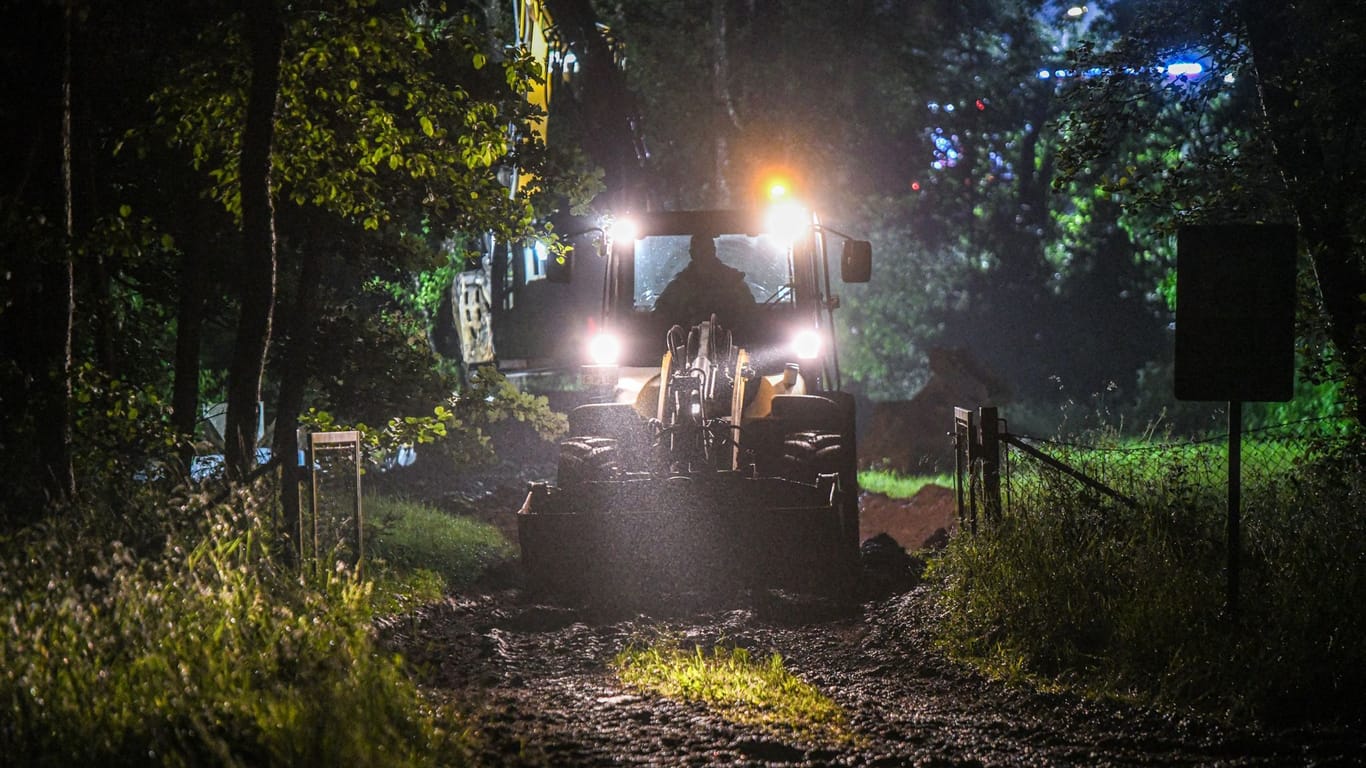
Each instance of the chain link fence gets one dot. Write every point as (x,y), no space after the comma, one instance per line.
(998,470)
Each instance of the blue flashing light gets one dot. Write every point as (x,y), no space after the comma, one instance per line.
(1185,68)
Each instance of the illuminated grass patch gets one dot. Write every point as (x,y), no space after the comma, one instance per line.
(899,486)
(740,688)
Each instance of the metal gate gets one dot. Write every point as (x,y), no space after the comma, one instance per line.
(336,524)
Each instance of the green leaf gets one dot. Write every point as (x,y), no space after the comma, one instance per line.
(125,211)
(480,60)
(426,123)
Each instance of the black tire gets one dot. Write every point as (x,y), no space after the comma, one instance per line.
(587,458)
(808,454)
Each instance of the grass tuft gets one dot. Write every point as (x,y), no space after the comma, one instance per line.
(742,689)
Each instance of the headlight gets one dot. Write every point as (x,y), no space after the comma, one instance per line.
(623,229)
(806,345)
(786,220)
(604,349)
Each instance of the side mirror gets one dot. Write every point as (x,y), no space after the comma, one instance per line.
(559,268)
(856,261)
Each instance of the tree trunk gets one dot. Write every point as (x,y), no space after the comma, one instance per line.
(54,434)
(188,342)
(1319,192)
(265,36)
(294,371)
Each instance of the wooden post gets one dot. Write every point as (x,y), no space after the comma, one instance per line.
(991,463)
(313,499)
(359,521)
(959,462)
(965,432)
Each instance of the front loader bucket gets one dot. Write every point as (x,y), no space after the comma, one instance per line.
(648,537)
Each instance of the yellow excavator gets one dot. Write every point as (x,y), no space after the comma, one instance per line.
(719,454)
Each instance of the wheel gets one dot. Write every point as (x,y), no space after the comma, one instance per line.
(587,458)
(811,453)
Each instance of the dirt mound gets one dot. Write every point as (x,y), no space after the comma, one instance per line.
(920,522)
(914,436)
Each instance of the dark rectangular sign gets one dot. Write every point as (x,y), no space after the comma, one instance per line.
(1235,312)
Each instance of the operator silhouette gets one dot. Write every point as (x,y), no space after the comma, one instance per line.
(704,287)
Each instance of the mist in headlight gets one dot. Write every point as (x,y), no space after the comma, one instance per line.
(604,349)
(806,345)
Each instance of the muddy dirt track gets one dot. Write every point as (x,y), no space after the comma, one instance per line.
(536,679)
(538,682)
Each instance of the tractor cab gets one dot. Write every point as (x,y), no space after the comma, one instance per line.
(763,276)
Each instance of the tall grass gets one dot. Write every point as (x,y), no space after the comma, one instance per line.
(409,535)
(1130,601)
(200,651)
(417,554)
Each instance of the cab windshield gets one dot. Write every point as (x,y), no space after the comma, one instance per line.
(759,263)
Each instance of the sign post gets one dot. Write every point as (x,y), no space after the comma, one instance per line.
(1235,335)
(1233,526)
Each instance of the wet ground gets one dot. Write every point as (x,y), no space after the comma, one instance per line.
(536,680)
